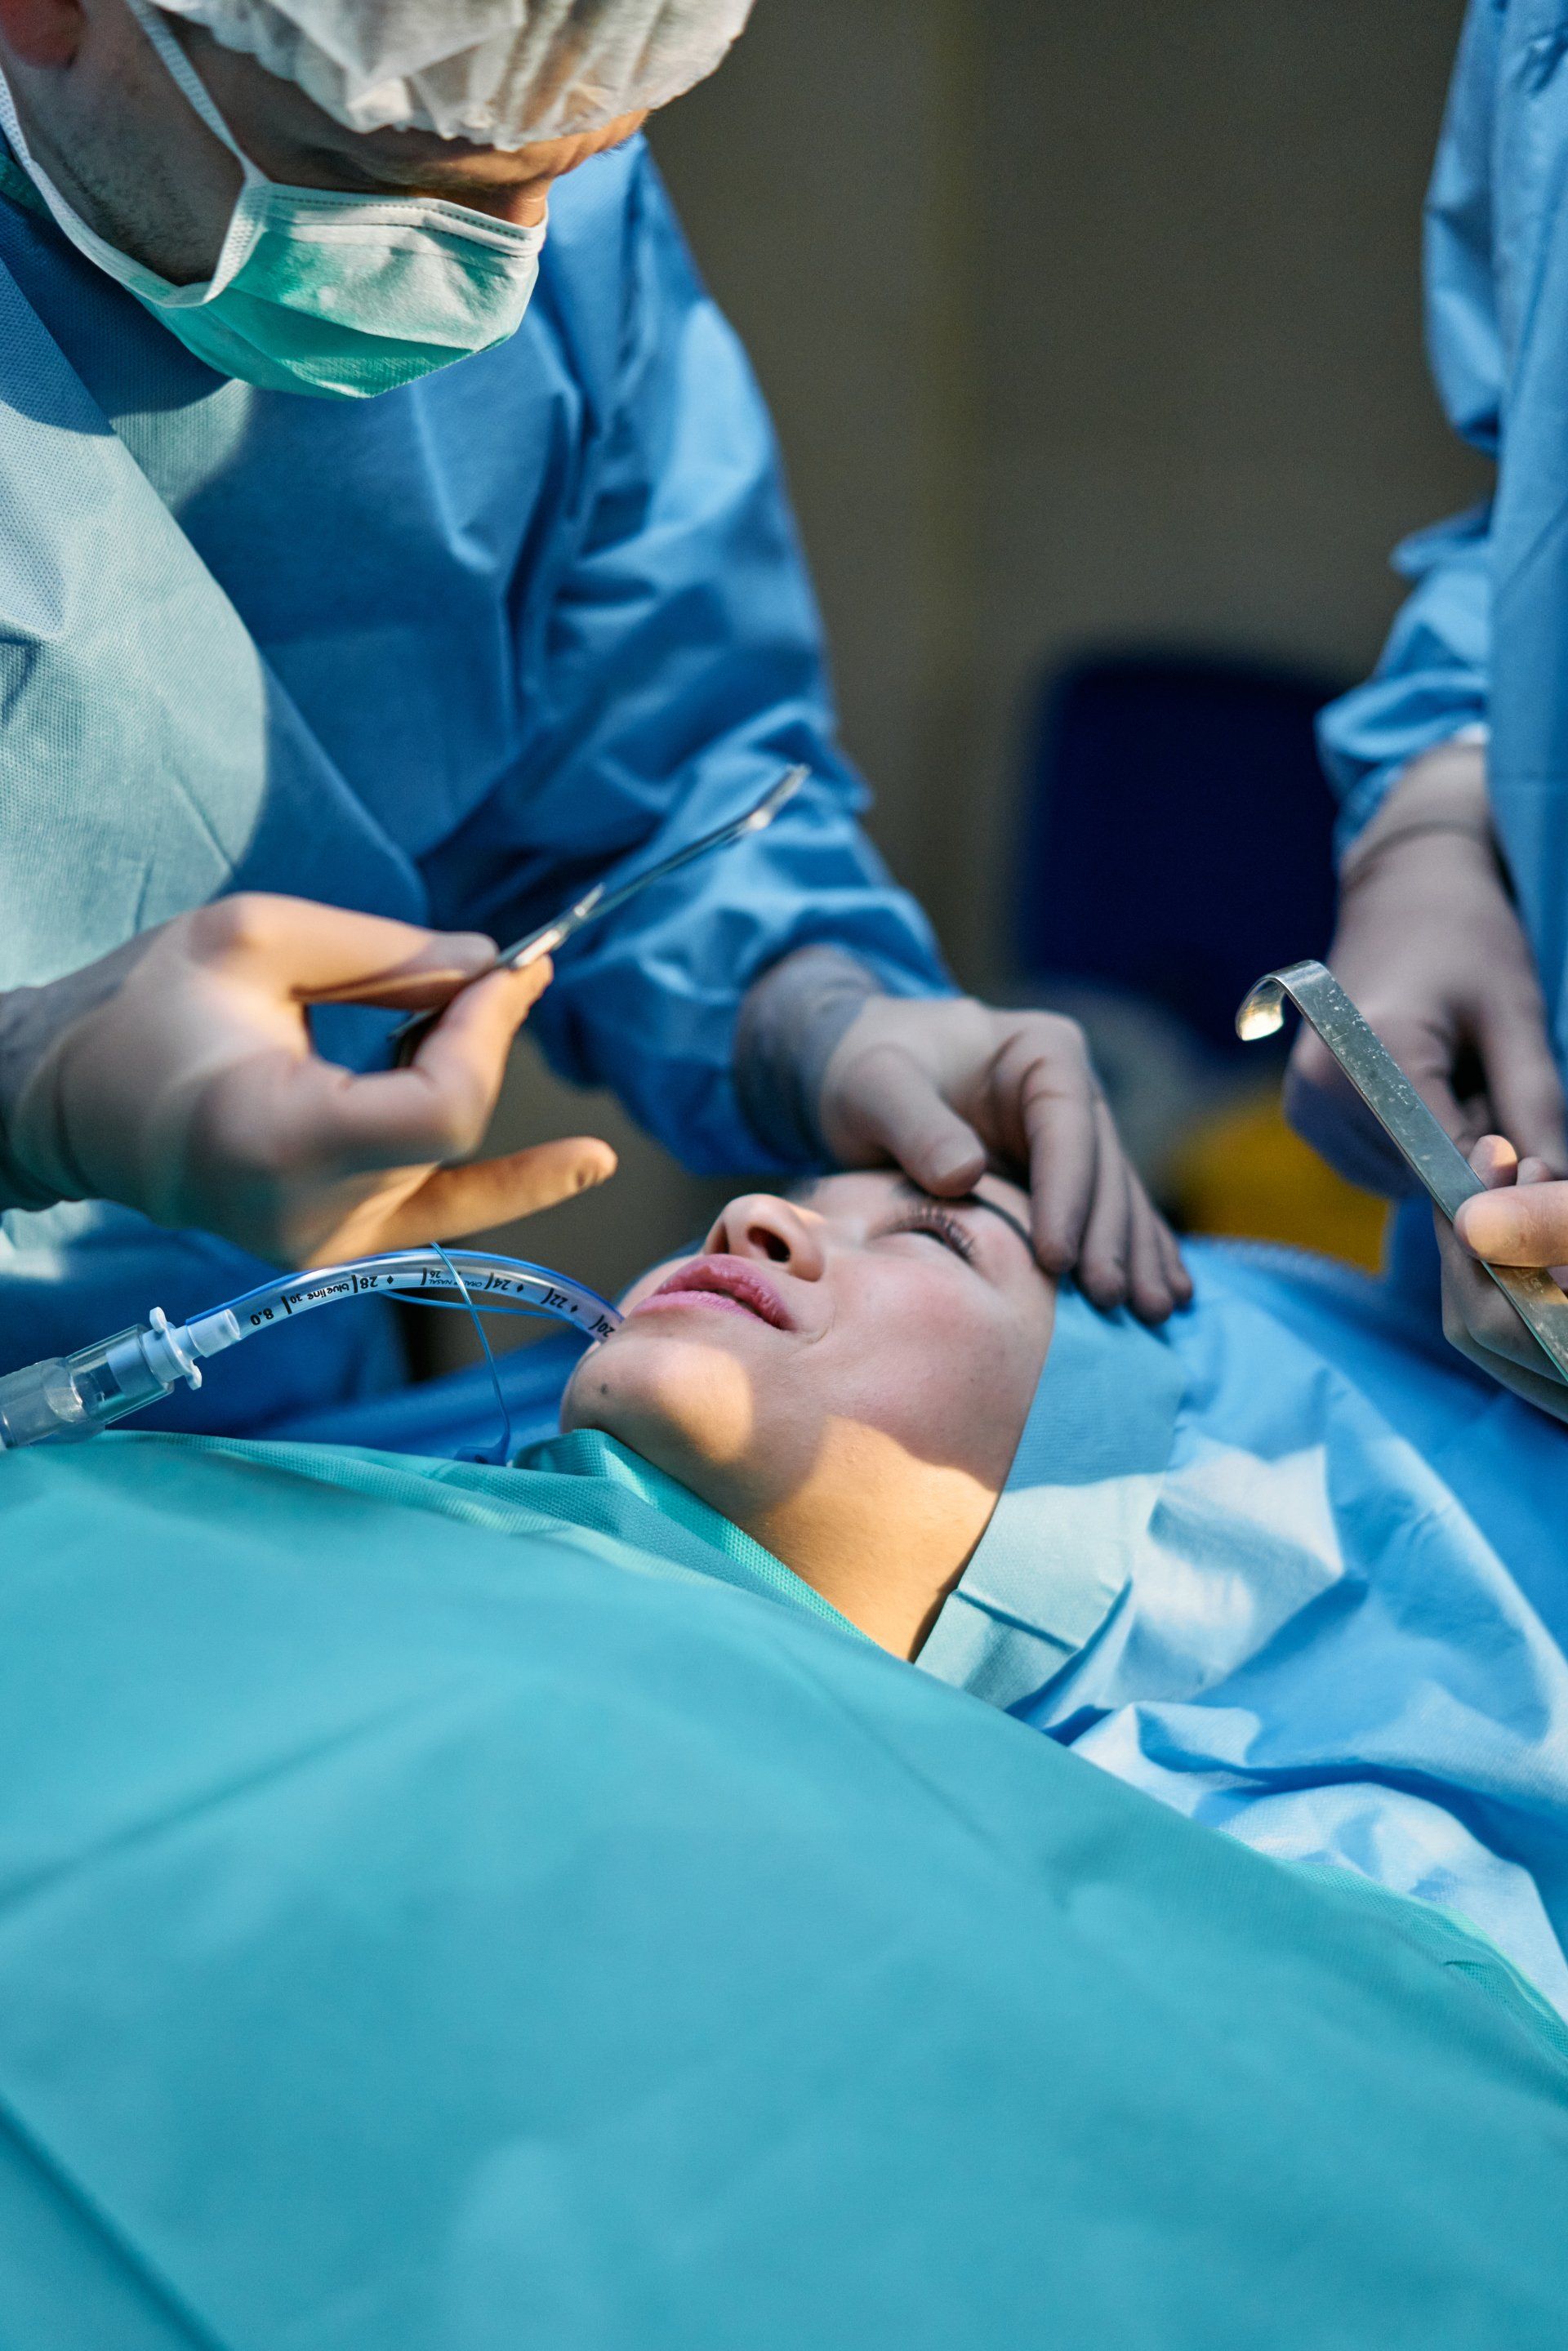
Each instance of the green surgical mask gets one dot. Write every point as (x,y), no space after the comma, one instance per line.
(340,296)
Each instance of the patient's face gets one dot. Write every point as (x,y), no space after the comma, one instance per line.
(845,1375)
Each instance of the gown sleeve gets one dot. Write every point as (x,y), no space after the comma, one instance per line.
(681,669)
(1432,682)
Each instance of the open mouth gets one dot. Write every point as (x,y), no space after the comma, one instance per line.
(722,1285)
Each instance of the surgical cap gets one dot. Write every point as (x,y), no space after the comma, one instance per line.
(497,73)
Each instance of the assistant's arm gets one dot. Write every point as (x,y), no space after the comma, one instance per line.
(1428,941)
(1432,684)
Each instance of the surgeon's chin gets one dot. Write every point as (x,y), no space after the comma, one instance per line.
(683,1400)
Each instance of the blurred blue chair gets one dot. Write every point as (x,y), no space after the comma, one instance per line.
(1176,832)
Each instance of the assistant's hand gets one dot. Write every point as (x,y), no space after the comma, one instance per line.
(943,1088)
(1520,1219)
(1429,946)
(177,1075)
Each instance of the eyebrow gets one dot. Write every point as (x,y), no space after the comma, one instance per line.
(973,1200)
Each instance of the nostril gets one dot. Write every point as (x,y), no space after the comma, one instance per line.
(773,1247)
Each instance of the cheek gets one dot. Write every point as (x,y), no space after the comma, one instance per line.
(942,1369)
(947,1406)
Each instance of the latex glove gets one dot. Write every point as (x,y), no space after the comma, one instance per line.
(177,1075)
(1522,1220)
(946,1087)
(1429,946)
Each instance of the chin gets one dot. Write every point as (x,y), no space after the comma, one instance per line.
(672,1396)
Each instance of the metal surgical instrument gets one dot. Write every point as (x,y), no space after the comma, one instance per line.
(603,899)
(1405,1118)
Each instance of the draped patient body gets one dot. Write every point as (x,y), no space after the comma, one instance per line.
(1283,1562)
(585,1918)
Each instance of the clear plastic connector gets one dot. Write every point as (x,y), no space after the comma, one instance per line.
(68,1397)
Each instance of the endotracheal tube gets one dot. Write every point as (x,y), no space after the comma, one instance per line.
(75,1395)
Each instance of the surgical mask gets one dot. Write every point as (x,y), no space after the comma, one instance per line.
(343,297)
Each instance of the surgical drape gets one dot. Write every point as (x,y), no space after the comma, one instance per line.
(429,1920)
(1290,1565)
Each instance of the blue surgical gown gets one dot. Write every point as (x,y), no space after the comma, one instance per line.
(1289,1566)
(439,655)
(1483,640)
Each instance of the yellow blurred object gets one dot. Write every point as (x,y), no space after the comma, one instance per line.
(1247,1175)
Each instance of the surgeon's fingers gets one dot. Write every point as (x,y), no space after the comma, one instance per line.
(1329,1117)
(1482,1324)
(1175,1264)
(300,1120)
(456,1201)
(899,1113)
(437,1109)
(1521,1081)
(321,955)
(1326,1112)
(1051,1098)
(1129,1256)
(1157,1282)
(1102,1270)
(1524,1224)
(1479,1320)
(477,1029)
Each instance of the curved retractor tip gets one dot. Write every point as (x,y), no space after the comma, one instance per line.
(1263,1012)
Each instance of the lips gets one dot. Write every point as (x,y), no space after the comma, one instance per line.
(723,1284)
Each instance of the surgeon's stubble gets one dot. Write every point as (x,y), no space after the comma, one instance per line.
(119,141)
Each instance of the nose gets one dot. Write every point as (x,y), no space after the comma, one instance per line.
(770,1231)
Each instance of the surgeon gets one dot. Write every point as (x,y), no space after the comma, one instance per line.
(394,541)
(1452,762)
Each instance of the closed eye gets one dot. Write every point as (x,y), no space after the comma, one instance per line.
(936,1225)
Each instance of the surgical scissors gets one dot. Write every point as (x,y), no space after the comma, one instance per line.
(1406,1121)
(603,900)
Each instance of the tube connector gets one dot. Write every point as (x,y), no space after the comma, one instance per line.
(68,1397)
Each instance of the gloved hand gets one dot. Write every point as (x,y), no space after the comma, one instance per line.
(177,1075)
(1429,946)
(945,1089)
(828,1066)
(1522,1220)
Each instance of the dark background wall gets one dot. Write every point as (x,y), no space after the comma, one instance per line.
(1080,326)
